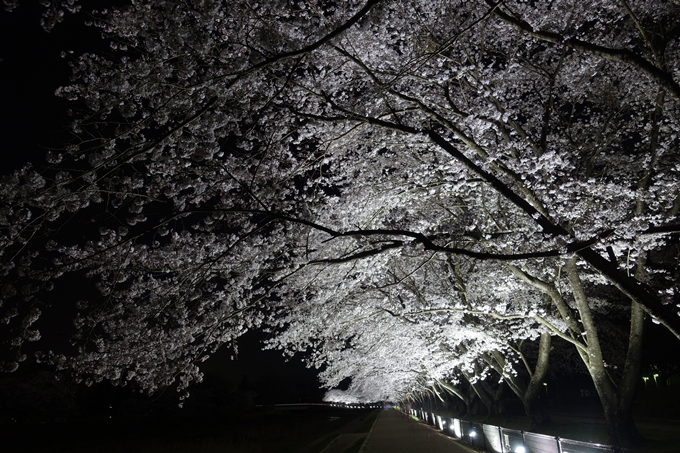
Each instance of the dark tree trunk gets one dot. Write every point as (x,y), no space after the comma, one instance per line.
(527,393)
(616,400)
(534,410)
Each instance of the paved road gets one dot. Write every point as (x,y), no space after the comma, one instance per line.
(344,442)
(393,433)
(343,438)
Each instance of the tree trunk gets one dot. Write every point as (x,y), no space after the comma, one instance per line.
(535,412)
(616,402)
(630,378)
(620,425)
(481,394)
(527,393)
(462,399)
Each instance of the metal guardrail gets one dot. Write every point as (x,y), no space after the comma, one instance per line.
(496,439)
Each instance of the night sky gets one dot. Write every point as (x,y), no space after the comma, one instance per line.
(34,120)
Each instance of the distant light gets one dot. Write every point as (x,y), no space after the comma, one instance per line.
(474,433)
(520,449)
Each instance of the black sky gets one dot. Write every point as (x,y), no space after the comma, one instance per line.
(33,119)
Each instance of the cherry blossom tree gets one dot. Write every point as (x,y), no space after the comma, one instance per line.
(233,165)
(419,321)
(53,12)
(138,214)
(615,380)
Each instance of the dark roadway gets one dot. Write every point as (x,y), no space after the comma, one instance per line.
(394,433)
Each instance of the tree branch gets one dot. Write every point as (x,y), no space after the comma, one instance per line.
(662,77)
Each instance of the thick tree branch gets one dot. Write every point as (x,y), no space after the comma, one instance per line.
(663,78)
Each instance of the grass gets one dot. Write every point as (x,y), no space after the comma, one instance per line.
(256,432)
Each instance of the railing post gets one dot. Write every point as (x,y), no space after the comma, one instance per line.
(483,437)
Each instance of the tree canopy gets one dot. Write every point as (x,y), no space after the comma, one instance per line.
(407,190)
